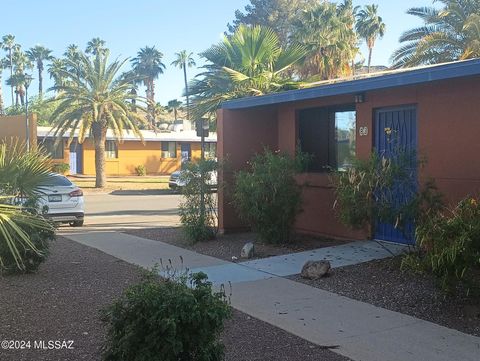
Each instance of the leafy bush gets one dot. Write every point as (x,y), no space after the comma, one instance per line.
(24,239)
(450,246)
(24,234)
(268,197)
(364,192)
(141,170)
(61,168)
(199,220)
(166,321)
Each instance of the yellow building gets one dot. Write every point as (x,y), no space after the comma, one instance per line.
(160,152)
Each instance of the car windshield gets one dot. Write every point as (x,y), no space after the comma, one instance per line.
(57,181)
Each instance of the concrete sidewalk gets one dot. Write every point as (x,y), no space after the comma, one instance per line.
(363,331)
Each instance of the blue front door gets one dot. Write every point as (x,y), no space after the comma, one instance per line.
(395,132)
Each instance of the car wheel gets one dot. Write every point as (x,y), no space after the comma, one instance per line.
(76,223)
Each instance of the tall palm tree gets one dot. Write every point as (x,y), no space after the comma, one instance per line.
(9,45)
(182,61)
(327,31)
(39,54)
(96,46)
(370,26)
(97,100)
(21,63)
(451,33)
(148,66)
(56,69)
(174,106)
(249,62)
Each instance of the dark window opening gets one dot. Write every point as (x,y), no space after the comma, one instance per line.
(53,148)
(328,135)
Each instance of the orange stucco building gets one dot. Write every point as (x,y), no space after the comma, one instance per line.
(433,110)
(160,153)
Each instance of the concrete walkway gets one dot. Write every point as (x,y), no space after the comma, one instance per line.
(363,331)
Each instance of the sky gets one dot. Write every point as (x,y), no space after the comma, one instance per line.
(169,25)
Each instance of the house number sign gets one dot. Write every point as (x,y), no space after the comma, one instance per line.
(363,131)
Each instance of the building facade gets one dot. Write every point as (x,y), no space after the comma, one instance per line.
(433,111)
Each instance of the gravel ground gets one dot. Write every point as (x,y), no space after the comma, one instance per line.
(228,245)
(383,284)
(62,302)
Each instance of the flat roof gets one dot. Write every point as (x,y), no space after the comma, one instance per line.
(363,83)
(148,135)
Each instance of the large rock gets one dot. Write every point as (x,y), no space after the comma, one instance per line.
(248,250)
(315,269)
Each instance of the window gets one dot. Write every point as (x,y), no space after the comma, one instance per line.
(111,149)
(54,151)
(169,150)
(328,134)
(210,150)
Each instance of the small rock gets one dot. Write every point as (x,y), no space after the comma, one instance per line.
(315,269)
(234,258)
(248,250)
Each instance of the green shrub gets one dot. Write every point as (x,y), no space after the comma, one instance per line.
(450,246)
(199,219)
(24,245)
(24,234)
(61,168)
(268,197)
(141,170)
(365,191)
(166,321)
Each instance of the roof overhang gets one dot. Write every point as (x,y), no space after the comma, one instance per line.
(385,80)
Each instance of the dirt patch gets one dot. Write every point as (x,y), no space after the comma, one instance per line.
(383,284)
(226,246)
(62,302)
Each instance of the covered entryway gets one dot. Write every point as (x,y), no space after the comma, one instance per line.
(396,133)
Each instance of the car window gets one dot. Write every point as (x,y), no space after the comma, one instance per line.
(58,180)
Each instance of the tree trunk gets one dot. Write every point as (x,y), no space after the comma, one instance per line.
(11,75)
(186,89)
(40,80)
(369,58)
(99,139)
(21,93)
(1,96)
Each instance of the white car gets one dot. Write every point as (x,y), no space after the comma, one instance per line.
(62,201)
(176,181)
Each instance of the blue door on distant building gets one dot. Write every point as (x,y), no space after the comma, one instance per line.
(76,158)
(395,133)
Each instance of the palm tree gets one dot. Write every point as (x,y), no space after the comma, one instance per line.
(22,173)
(9,45)
(449,34)
(39,54)
(370,26)
(148,66)
(174,106)
(249,62)
(97,100)
(182,61)
(21,63)
(56,69)
(327,31)
(96,46)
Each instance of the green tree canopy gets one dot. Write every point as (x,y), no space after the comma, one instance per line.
(97,100)
(448,34)
(370,26)
(250,62)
